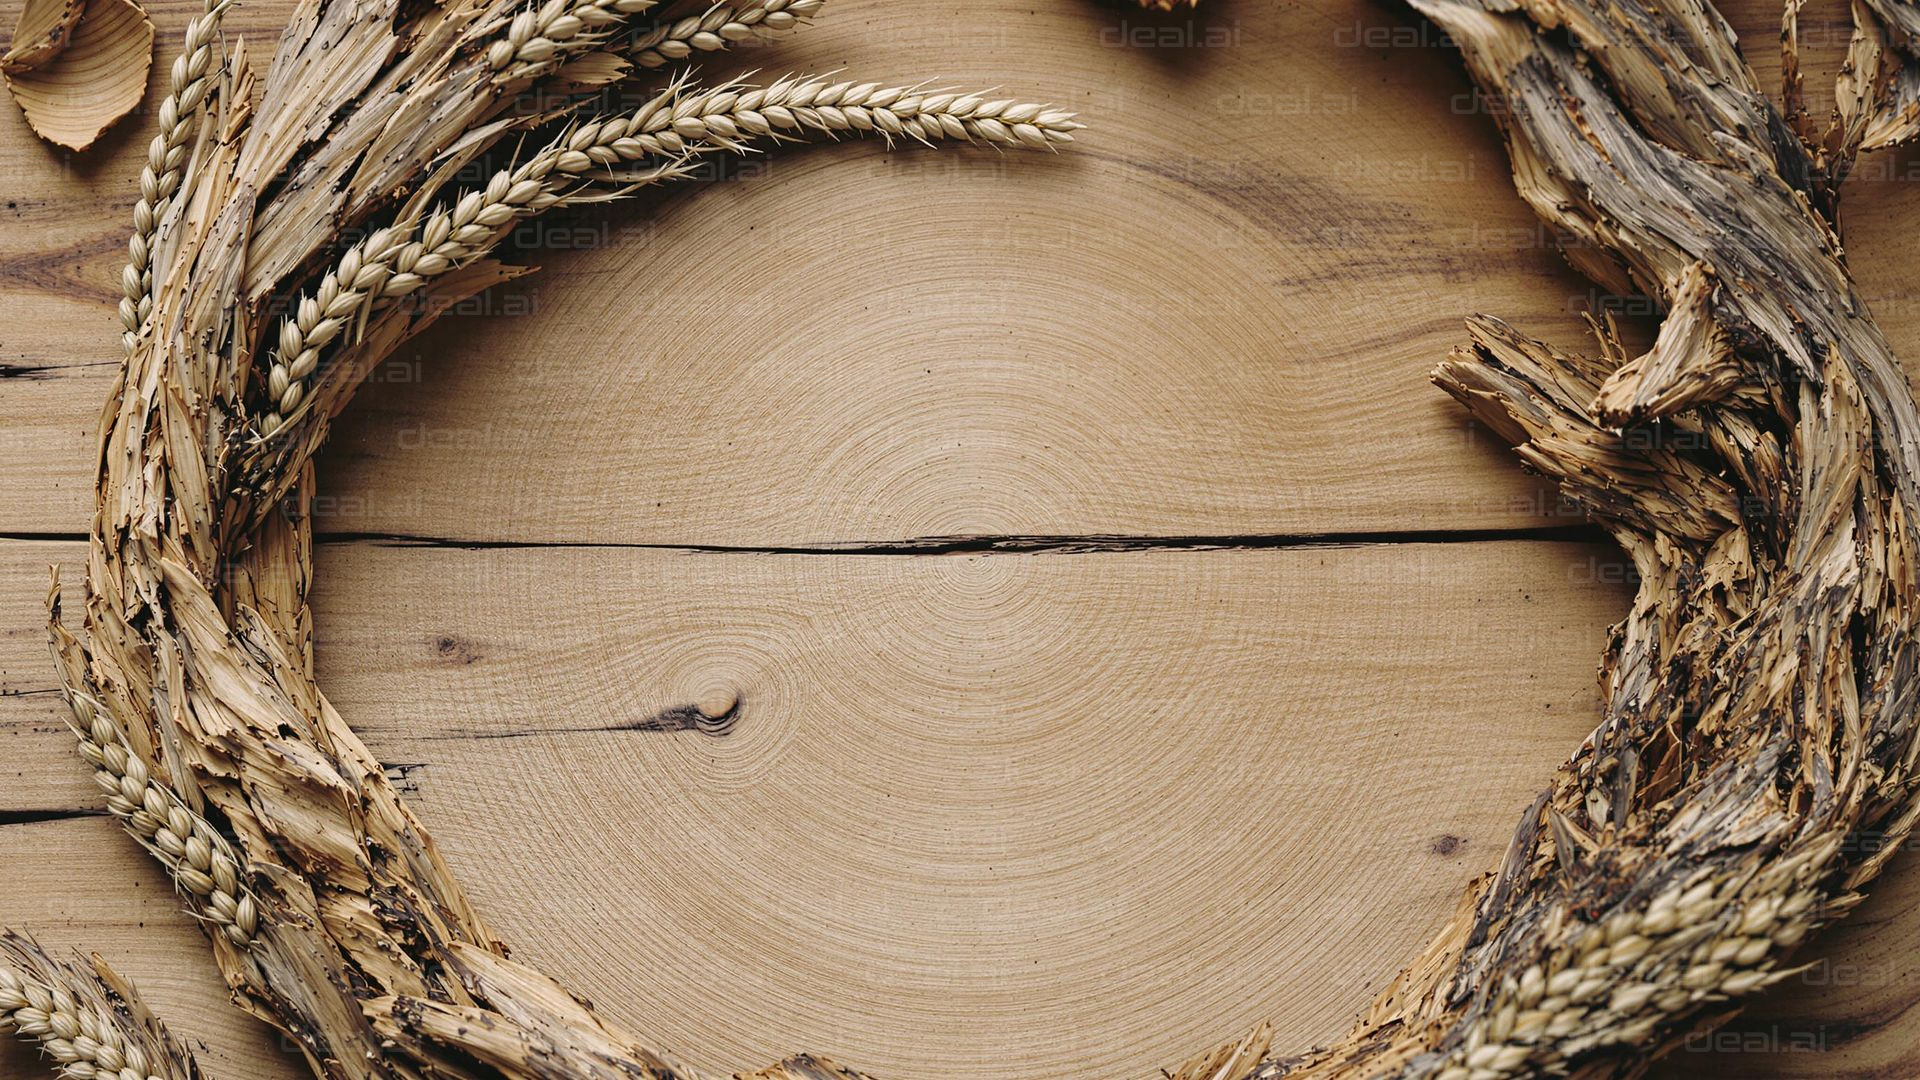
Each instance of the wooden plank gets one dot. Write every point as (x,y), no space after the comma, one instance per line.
(889,721)
(80,884)
(1062,806)
(1093,811)
(1089,812)
(1156,333)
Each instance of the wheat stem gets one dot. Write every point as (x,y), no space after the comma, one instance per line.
(395,261)
(189,83)
(719,27)
(199,859)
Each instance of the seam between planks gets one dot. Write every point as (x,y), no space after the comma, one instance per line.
(1011,543)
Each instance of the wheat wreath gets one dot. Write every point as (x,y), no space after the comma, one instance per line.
(1760,464)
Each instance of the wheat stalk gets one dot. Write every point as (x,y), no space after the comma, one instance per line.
(396,261)
(537,36)
(193,852)
(1618,981)
(794,106)
(89,1023)
(189,83)
(719,27)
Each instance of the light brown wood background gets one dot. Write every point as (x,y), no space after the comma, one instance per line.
(1225,745)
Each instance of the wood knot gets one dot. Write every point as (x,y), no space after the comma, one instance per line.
(713,714)
(452,650)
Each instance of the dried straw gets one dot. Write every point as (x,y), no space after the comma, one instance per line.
(667,129)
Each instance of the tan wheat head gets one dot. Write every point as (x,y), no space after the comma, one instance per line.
(89,1023)
(200,860)
(188,83)
(720,27)
(667,129)
(540,35)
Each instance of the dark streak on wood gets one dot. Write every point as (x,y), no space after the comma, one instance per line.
(402,775)
(677,718)
(42,372)
(27,371)
(1085,544)
(34,817)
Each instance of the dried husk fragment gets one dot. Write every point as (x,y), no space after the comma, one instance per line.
(75,71)
(1691,362)
(1886,66)
(44,29)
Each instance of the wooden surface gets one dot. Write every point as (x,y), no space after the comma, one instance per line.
(976,498)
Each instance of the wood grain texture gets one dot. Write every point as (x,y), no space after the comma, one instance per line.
(990,812)
(976,345)
(780,412)
(1047,795)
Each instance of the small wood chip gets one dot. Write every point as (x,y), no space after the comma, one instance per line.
(43,32)
(76,69)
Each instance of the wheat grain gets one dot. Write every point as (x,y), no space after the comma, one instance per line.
(1619,979)
(200,860)
(396,261)
(87,1022)
(795,106)
(674,124)
(538,36)
(719,27)
(189,82)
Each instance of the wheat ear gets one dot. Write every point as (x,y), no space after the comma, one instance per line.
(189,83)
(199,859)
(539,35)
(392,262)
(794,106)
(88,1022)
(1617,981)
(396,261)
(719,27)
